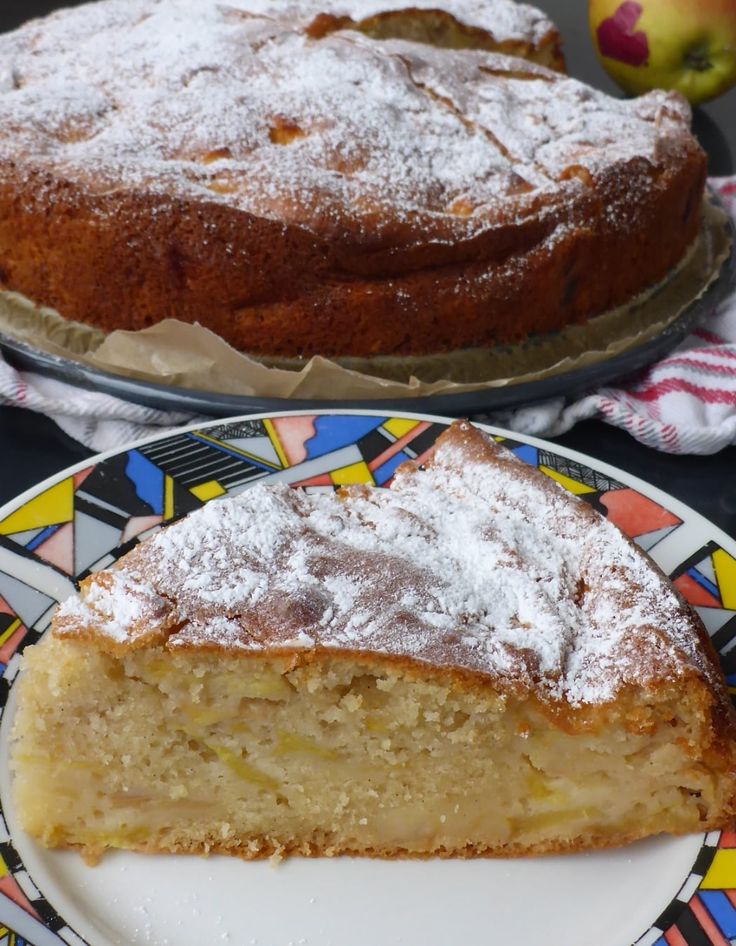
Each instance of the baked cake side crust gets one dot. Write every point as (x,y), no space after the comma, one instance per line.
(366,197)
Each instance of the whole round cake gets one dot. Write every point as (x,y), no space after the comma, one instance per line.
(331,178)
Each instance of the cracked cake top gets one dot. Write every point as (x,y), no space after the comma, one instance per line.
(242,104)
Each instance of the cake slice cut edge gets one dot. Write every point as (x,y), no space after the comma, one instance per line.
(471,663)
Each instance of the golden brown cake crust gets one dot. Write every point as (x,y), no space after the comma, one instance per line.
(266,848)
(442,199)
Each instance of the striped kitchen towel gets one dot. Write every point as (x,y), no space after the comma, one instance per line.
(685,403)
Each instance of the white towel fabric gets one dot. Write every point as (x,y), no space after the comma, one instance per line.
(685,403)
(99,421)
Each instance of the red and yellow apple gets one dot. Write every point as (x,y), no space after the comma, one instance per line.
(687,45)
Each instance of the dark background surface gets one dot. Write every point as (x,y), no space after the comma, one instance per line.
(32,447)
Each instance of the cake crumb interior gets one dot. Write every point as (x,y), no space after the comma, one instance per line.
(260,755)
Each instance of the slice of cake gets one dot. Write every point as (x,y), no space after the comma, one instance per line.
(473,662)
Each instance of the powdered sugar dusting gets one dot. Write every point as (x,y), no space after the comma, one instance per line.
(120,606)
(235,104)
(473,562)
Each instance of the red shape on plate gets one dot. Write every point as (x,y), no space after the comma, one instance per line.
(80,477)
(706,921)
(58,549)
(397,445)
(673,937)
(635,514)
(9,888)
(10,646)
(617,39)
(322,480)
(293,434)
(694,593)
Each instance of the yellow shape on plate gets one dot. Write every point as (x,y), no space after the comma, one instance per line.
(53,506)
(725,569)
(571,485)
(168,498)
(722,872)
(274,438)
(9,631)
(354,473)
(208,490)
(399,426)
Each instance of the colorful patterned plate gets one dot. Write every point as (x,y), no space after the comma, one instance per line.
(679,892)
